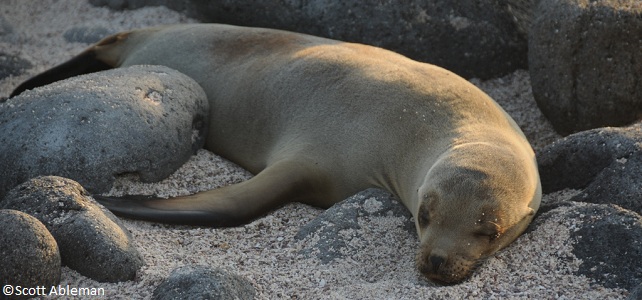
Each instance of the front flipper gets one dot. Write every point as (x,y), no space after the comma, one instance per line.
(280,183)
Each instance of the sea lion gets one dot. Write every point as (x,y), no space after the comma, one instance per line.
(318,120)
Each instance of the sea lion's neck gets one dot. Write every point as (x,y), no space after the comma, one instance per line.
(405,176)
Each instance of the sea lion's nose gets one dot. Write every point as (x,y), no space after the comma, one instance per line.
(436,261)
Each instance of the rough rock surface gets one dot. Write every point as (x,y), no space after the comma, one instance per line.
(585,60)
(29,255)
(606,163)
(199,282)
(146,120)
(91,239)
(471,38)
(607,239)
(636,294)
(336,226)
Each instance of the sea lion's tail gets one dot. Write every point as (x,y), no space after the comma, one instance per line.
(89,61)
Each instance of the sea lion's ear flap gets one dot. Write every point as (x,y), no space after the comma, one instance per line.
(530,211)
(86,62)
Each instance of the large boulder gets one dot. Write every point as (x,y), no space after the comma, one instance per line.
(91,239)
(605,163)
(606,238)
(472,38)
(585,60)
(146,120)
(29,255)
(609,240)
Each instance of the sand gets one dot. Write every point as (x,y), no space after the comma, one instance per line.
(539,265)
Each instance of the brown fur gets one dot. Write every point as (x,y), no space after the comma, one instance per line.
(318,120)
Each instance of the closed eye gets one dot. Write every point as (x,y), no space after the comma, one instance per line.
(430,199)
(490,231)
(423,216)
(490,236)
(424,220)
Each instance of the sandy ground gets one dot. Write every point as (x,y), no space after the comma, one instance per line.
(539,265)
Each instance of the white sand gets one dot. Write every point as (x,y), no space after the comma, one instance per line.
(539,265)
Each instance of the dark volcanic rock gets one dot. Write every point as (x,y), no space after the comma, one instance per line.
(146,120)
(29,255)
(348,215)
(92,240)
(606,238)
(636,294)
(197,282)
(610,246)
(585,60)
(605,163)
(472,38)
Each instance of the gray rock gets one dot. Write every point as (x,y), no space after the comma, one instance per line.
(88,35)
(605,163)
(472,38)
(12,65)
(609,244)
(585,61)
(348,215)
(608,240)
(636,294)
(92,240)
(146,120)
(29,254)
(199,282)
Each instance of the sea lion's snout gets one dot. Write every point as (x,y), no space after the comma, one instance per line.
(445,269)
(436,261)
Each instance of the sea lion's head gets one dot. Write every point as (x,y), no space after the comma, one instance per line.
(476,199)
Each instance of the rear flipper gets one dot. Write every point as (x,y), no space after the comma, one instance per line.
(151,208)
(84,63)
(233,205)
